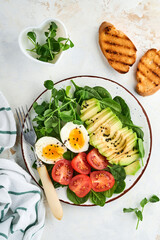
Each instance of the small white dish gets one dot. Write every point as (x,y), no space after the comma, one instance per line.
(25,43)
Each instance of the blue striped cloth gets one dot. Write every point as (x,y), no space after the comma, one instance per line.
(7,125)
(22,211)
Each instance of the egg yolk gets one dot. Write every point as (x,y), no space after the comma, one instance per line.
(52,152)
(76,139)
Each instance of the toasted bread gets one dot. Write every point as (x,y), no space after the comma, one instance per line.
(148,73)
(116,47)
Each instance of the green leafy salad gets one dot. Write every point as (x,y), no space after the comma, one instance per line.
(47,52)
(88,141)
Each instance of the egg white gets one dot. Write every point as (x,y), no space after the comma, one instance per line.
(65,132)
(42,143)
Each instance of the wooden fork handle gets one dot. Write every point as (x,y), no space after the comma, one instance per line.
(50,192)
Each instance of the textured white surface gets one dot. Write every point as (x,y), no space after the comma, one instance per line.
(21,80)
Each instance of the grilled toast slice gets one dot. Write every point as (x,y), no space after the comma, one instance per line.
(148,73)
(116,47)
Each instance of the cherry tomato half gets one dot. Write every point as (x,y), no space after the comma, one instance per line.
(62,172)
(80,164)
(80,185)
(96,160)
(101,181)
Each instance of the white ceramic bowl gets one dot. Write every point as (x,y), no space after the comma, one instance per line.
(25,43)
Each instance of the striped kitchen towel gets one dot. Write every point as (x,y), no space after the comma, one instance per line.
(7,125)
(22,211)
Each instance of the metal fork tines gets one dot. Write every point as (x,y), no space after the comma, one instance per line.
(26,126)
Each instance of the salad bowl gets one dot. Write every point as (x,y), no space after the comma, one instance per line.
(138,114)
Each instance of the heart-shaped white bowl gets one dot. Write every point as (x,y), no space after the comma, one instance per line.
(25,43)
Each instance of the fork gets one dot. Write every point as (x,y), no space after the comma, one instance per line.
(30,138)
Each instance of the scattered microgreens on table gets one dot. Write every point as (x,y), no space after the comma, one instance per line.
(64,106)
(52,46)
(137,211)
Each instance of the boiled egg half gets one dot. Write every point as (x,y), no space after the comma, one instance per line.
(49,149)
(75,137)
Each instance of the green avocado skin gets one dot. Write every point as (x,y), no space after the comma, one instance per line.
(132,168)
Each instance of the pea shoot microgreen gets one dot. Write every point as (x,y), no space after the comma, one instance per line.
(47,52)
(137,211)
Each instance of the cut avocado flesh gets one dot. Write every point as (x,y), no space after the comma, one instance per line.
(132,168)
(125,159)
(97,116)
(91,111)
(109,147)
(107,135)
(88,103)
(102,134)
(93,126)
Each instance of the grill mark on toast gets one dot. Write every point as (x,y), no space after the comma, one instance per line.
(120,49)
(116,35)
(155,74)
(115,44)
(119,62)
(114,56)
(116,47)
(118,53)
(148,78)
(119,66)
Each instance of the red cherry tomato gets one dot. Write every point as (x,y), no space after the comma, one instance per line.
(80,185)
(101,181)
(96,160)
(62,172)
(80,164)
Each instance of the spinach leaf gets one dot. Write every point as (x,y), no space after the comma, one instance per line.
(110,192)
(118,172)
(97,198)
(103,93)
(69,155)
(93,92)
(139,132)
(73,197)
(120,186)
(77,88)
(141,149)
(108,102)
(125,109)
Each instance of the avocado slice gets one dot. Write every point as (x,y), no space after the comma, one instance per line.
(110,148)
(91,128)
(124,159)
(86,104)
(132,168)
(97,116)
(107,134)
(91,111)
